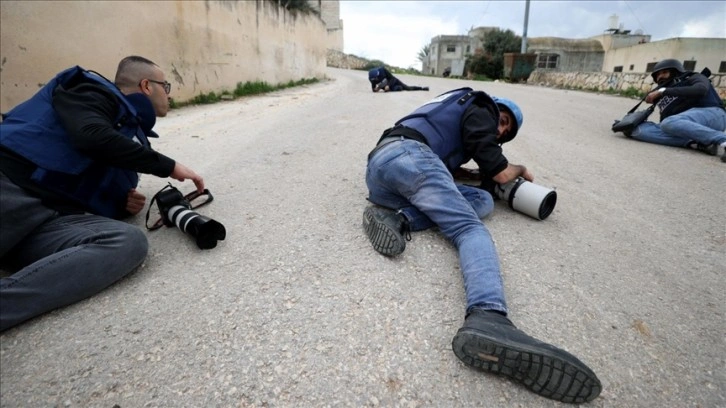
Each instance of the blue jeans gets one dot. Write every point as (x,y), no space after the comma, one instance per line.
(703,125)
(406,175)
(59,259)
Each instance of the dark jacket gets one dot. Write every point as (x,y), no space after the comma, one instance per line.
(89,113)
(689,90)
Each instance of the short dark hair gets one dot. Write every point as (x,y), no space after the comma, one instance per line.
(131,70)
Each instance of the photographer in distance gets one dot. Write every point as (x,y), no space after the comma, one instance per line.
(691,112)
(69,158)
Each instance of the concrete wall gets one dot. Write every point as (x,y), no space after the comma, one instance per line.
(330,13)
(439,58)
(707,52)
(606,80)
(202,46)
(584,55)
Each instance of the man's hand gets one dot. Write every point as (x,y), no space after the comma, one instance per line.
(527,175)
(182,172)
(511,172)
(654,96)
(135,202)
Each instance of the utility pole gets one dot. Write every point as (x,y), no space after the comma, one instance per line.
(524,34)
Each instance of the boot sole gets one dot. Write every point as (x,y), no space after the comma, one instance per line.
(384,240)
(542,371)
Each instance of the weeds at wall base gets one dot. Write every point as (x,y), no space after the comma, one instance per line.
(246,89)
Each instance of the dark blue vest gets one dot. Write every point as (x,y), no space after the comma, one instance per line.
(439,121)
(33,131)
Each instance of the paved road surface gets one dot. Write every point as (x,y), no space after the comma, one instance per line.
(295,308)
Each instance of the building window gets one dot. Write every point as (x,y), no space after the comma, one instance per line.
(650,66)
(547,61)
(450,48)
(722,67)
(468,49)
(619,68)
(689,65)
(632,67)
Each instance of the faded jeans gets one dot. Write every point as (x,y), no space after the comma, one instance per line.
(406,175)
(58,259)
(703,125)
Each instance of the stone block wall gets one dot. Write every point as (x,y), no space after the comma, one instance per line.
(604,81)
(337,59)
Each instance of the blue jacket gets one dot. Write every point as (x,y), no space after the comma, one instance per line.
(33,131)
(440,123)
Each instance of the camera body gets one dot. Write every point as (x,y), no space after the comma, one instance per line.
(528,198)
(176,210)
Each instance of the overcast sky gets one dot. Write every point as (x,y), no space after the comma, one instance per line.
(395,31)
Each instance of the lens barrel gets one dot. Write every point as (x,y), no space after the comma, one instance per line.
(205,230)
(528,198)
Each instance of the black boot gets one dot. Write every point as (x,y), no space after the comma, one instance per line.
(386,230)
(489,341)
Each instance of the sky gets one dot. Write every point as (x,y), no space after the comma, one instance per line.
(395,31)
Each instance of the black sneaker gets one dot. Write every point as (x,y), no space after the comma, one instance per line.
(710,150)
(386,230)
(627,133)
(489,341)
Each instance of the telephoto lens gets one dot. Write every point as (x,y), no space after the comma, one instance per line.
(205,230)
(528,198)
(176,209)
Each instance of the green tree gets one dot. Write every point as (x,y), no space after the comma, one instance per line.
(489,60)
(423,54)
(298,5)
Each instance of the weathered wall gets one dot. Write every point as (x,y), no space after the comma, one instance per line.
(707,52)
(202,46)
(338,59)
(607,80)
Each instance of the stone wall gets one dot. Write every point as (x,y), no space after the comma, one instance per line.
(202,46)
(605,80)
(337,59)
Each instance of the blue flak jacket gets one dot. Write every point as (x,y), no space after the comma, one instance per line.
(33,130)
(439,121)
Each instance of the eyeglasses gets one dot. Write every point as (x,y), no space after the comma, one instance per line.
(167,86)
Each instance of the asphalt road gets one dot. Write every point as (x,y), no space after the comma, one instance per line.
(294,307)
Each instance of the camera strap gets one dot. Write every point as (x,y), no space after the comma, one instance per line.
(189,197)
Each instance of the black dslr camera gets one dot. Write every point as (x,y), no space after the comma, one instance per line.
(176,209)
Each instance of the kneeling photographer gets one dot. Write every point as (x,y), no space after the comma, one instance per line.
(69,163)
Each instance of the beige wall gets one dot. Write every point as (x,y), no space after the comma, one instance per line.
(707,52)
(202,46)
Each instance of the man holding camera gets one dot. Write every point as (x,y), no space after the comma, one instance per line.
(691,112)
(69,158)
(409,178)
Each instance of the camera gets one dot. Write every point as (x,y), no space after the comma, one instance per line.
(528,198)
(176,209)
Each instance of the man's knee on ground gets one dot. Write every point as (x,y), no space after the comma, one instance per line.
(134,246)
(674,125)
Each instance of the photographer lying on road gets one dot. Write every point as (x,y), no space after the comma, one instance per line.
(69,158)
(409,178)
(691,112)
(381,79)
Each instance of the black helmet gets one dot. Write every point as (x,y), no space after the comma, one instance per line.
(667,64)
